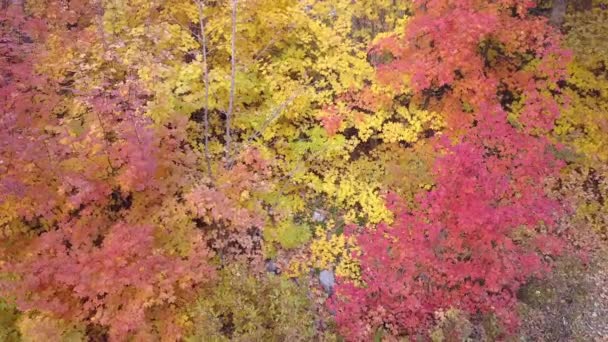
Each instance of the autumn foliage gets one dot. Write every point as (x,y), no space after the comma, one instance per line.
(192,170)
(487,225)
(474,240)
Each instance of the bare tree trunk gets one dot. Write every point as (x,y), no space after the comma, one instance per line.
(203,37)
(558,12)
(583,5)
(16,3)
(230,111)
(100,29)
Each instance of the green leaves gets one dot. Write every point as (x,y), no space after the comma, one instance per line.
(245,308)
(289,234)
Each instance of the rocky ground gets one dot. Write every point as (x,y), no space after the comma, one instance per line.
(572,305)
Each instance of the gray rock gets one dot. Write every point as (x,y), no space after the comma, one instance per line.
(272,267)
(327,280)
(318,216)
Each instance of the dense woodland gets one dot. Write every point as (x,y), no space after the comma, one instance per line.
(303,170)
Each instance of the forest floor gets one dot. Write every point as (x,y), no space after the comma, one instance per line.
(571,305)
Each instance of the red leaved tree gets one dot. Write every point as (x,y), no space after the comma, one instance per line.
(477,236)
(82,237)
(488,225)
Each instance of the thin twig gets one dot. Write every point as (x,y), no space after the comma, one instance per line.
(271,42)
(105,139)
(176,21)
(275,114)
